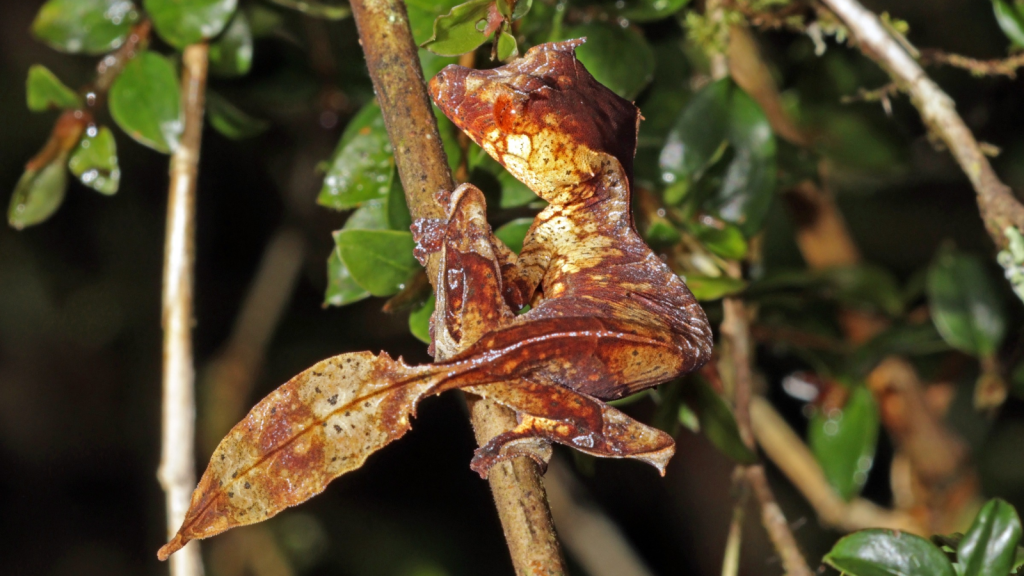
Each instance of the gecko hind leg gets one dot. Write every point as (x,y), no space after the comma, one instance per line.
(557,414)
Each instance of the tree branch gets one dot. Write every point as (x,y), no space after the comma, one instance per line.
(999,208)
(177,463)
(391,56)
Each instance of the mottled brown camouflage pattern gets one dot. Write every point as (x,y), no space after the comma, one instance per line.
(608,317)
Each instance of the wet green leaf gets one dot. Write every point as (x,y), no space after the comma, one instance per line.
(620,58)
(419,320)
(1010,20)
(184,22)
(231,53)
(887,553)
(725,240)
(717,420)
(964,304)
(722,113)
(43,90)
(749,185)
(398,215)
(341,288)
(513,192)
(698,135)
(463,29)
(651,10)
(87,26)
(38,194)
(230,121)
(513,233)
(989,546)
(372,215)
(844,442)
(363,164)
(449,139)
(94,162)
(146,104)
(507,47)
(707,288)
(379,261)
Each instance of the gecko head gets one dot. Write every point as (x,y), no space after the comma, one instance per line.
(543,117)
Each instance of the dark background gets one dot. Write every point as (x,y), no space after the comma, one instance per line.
(80,331)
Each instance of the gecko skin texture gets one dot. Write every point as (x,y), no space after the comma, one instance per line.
(607,318)
(583,267)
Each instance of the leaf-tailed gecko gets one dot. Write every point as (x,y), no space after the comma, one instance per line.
(607,316)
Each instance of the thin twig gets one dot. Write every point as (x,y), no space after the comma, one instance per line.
(228,379)
(995,67)
(590,536)
(736,336)
(177,463)
(731,558)
(391,56)
(999,208)
(789,453)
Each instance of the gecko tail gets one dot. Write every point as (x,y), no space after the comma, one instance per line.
(324,422)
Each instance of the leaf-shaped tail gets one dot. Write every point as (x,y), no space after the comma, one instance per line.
(322,423)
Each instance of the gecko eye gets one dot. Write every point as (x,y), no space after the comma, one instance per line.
(506,112)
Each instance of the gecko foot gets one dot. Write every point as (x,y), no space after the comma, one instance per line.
(510,445)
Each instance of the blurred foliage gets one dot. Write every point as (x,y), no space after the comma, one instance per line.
(714,176)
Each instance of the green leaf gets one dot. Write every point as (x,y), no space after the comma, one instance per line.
(989,547)
(521,9)
(865,286)
(726,241)
(717,421)
(363,164)
(341,288)
(371,215)
(463,29)
(722,113)
(746,193)
(707,288)
(325,10)
(398,215)
(94,161)
(38,194)
(379,261)
(887,553)
(1010,20)
(43,90)
(184,22)
(146,104)
(844,442)
(230,121)
(513,233)
(651,10)
(513,192)
(87,26)
(507,46)
(620,58)
(419,320)
(964,304)
(698,135)
(231,54)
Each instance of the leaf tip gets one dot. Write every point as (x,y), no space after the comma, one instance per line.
(176,543)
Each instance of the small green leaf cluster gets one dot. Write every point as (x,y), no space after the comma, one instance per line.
(991,547)
(144,91)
